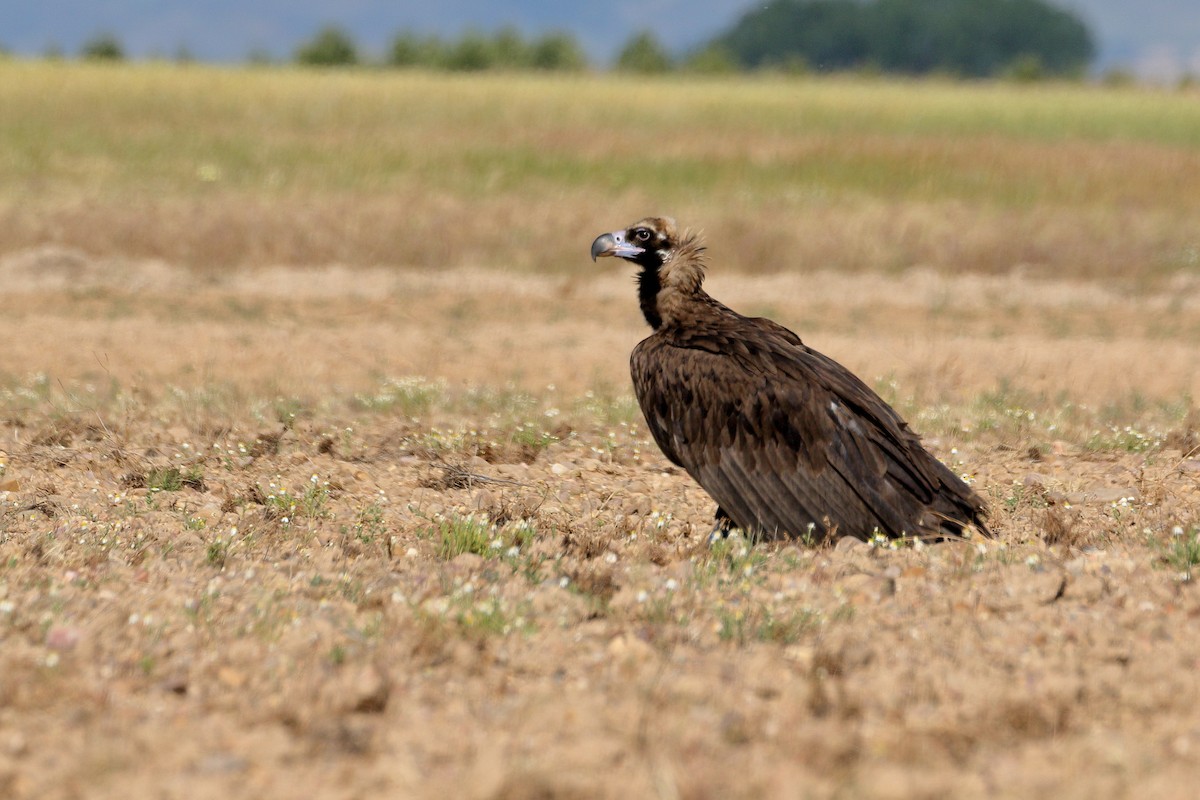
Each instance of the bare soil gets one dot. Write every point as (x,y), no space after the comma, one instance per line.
(379,533)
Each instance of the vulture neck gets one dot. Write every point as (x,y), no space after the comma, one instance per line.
(667,291)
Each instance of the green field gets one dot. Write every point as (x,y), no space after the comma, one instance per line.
(219,168)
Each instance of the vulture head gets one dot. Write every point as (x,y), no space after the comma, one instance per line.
(648,243)
(671,260)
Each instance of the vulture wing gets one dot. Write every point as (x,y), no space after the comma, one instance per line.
(783,437)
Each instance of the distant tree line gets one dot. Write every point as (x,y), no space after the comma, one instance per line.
(505,49)
(979,38)
(1024,39)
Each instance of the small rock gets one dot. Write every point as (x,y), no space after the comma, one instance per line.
(62,638)
(175,684)
(630,650)
(483,500)
(868,587)
(209,512)
(1075,567)
(369,690)
(15,743)
(1105,494)
(221,763)
(468,562)
(231,677)
(802,655)
(638,505)
(849,543)
(1086,588)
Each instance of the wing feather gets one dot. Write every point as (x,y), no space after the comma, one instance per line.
(783,437)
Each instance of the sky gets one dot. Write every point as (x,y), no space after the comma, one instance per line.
(1156,38)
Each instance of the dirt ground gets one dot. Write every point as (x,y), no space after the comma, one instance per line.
(376,533)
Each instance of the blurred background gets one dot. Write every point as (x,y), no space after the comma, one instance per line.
(1155,40)
(989,136)
(901,173)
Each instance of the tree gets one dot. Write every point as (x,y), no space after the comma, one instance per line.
(102,47)
(331,47)
(977,39)
(410,50)
(644,53)
(509,50)
(557,51)
(714,59)
(825,34)
(472,52)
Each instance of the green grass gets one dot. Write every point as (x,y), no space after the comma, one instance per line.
(464,534)
(759,624)
(410,396)
(1183,554)
(365,167)
(173,479)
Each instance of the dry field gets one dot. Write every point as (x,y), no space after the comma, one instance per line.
(386,523)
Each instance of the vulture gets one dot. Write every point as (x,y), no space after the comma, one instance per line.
(788,442)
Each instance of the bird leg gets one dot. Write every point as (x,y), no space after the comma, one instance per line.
(721,530)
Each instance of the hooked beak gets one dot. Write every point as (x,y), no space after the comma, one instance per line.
(614,244)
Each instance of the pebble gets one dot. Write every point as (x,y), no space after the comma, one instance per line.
(849,543)
(484,499)
(62,638)
(1103,494)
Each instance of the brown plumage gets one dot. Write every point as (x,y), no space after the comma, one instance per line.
(786,440)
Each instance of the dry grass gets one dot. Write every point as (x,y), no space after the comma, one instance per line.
(229,168)
(373,531)
(245,552)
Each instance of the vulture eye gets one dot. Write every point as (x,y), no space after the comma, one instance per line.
(641,235)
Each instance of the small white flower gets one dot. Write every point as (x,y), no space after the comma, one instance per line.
(671,584)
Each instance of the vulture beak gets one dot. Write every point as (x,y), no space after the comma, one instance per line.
(614,244)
